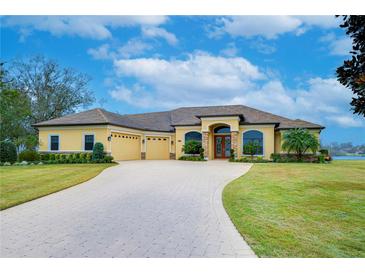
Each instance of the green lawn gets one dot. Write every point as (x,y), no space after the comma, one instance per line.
(19,184)
(301,210)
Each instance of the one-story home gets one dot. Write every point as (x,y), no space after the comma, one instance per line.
(161,135)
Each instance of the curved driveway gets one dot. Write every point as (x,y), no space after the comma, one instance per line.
(135,209)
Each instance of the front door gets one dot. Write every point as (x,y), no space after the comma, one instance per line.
(222,146)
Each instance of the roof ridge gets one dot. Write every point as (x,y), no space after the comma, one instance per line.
(209,106)
(101,111)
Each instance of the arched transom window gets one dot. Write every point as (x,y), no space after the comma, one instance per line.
(256,137)
(193,136)
(222,129)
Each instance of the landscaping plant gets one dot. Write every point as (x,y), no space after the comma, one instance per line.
(300,141)
(251,148)
(98,152)
(29,156)
(192,147)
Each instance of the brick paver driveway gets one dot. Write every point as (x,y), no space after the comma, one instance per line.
(136,209)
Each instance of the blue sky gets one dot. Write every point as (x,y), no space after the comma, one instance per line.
(281,64)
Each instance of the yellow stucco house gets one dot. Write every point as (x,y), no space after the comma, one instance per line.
(161,135)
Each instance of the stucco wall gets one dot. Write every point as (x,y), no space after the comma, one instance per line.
(71,138)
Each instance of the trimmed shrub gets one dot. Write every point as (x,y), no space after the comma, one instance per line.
(324,152)
(51,157)
(108,159)
(321,159)
(201,152)
(29,155)
(7,152)
(44,157)
(89,156)
(192,147)
(98,151)
(191,158)
(232,156)
(250,160)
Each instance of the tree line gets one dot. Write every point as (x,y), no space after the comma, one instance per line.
(37,89)
(347,148)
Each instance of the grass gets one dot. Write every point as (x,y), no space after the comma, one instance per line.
(301,210)
(19,184)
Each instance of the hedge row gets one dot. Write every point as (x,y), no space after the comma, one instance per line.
(306,158)
(191,158)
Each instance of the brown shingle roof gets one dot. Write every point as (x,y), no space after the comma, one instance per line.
(166,120)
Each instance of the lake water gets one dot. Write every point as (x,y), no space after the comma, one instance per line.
(348,157)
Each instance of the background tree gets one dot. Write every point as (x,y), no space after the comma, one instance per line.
(14,109)
(53,91)
(352,73)
(300,141)
(251,148)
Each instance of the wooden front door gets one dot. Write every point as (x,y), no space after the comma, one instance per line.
(222,146)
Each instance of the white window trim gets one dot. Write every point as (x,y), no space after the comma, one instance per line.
(49,142)
(263,143)
(83,140)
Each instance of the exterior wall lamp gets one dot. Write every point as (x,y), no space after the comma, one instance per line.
(110,137)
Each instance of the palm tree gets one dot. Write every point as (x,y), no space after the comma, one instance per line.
(300,140)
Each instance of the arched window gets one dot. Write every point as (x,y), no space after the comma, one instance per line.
(222,129)
(256,137)
(193,136)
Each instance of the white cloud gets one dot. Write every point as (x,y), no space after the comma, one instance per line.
(230,51)
(337,45)
(341,46)
(322,21)
(100,53)
(203,79)
(95,27)
(267,26)
(155,32)
(200,76)
(347,121)
(133,47)
(262,47)
(270,27)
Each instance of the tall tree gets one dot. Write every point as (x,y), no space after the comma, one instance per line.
(352,73)
(53,91)
(14,109)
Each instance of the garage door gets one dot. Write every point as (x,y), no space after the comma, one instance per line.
(157,148)
(126,146)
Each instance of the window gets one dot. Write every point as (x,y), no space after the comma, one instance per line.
(193,136)
(88,142)
(55,142)
(254,136)
(222,129)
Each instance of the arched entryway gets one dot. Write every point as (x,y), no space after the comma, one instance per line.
(221,135)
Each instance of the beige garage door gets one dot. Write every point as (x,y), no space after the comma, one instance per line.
(126,146)
(157,148)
